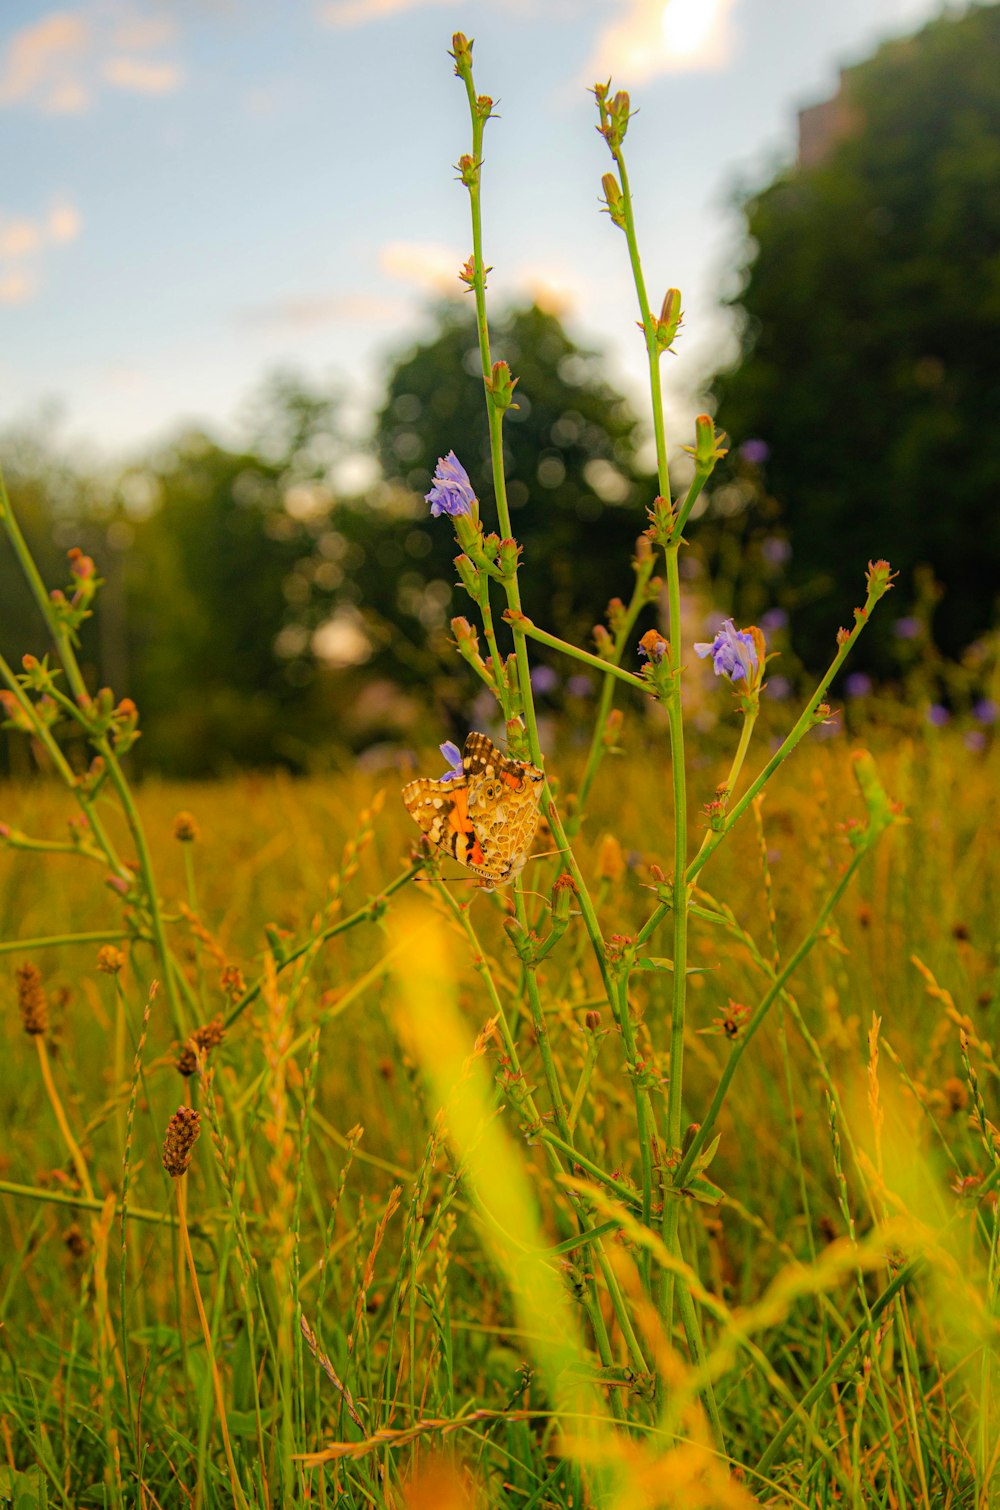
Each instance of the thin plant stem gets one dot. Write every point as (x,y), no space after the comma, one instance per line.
(238,1498)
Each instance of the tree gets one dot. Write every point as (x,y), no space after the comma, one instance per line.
(870,318)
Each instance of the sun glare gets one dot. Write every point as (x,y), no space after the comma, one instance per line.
(688,25)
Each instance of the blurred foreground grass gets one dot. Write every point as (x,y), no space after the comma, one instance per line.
(424,1331)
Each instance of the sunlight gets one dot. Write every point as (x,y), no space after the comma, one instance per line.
(688,25)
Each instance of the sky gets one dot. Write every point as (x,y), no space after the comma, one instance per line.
(196,192)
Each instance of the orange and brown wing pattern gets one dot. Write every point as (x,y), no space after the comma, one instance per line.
(487,817)
(441,808)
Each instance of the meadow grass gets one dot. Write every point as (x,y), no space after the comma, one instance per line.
(657,1172)
(381,1242)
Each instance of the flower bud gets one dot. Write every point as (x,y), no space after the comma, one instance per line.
(502,386)
(110,960)
(563,892)
(614,199)
(467,272)
(466,637)
(880,578)
(461,51)
(469,575)
(616,614)
(707,448)
(653,647)
(603,642)
(508,556)
(468,170)
(592,1021)
(661,521)
(615,112)
(671,315)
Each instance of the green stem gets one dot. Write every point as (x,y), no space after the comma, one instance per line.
(803,724)
(763,1007)
(525,625)
(368,913)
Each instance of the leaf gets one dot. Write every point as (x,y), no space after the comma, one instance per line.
(649,963)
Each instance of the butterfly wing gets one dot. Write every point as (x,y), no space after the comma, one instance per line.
(486,819)
(504,797)
(441,809)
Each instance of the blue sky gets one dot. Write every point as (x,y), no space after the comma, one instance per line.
(196,191)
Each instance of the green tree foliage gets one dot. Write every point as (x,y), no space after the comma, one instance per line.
(870,331)
(570,454)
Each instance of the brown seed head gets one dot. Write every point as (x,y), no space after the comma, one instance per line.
(610,860)
(956,1094)
(186,829)
(207,1037)
(31,999)
(109,959)
(182,1134)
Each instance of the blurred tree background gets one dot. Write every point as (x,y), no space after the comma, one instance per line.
(870,324)
(260,611)
(257,614)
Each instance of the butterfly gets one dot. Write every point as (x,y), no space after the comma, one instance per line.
(485,813)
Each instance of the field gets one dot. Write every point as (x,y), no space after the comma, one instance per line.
(423,1309)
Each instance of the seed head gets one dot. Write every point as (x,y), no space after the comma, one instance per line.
(204,1038)
(31,999)
(183,1130)
(109,959)
(186,829)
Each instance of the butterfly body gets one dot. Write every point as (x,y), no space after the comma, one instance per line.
(485,816)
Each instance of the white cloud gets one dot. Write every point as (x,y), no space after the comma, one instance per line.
(64,223)
(312,310)
(15,288)
(358,12)
(142,76)
(653,37)
(59,65)
(427,265)
(23,243)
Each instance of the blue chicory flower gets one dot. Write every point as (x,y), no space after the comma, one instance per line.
(733,653)
(451,491)
(544,679)
(938,715)
(453,756)
(858,684)
(755,451)
(985,711)
(906,628)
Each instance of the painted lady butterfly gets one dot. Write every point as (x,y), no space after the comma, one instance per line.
(486,815)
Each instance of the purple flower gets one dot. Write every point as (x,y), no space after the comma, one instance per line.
(938,715)
(975,741)
(779,687)
(755,452)
(451,491)
(453,756)
(773,620)
(985,711)
(776,550)
(579,686)
(906,628)
(544,680)
(733,653)
(858,684)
